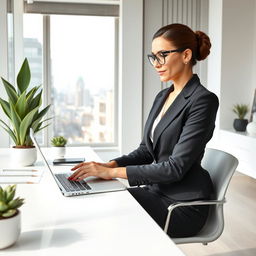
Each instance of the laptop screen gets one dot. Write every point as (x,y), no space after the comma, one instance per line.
(32,135)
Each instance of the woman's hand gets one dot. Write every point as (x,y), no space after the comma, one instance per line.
(87,169)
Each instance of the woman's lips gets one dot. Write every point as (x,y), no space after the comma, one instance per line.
(160,73)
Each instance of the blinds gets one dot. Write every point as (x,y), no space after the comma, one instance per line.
(183,11)
(72,9)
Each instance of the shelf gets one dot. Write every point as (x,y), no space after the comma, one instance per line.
(235,133)
(242,146)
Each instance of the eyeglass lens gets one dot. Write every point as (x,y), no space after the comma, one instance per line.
(159,58)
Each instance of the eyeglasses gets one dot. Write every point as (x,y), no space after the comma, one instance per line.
(160,56)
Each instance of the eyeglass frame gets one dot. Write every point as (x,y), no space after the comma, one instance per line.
(164,57)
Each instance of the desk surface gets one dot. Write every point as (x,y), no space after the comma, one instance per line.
(100,224)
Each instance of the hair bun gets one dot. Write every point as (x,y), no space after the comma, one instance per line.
(203,45)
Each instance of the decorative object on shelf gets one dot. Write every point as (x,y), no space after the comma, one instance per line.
(240,123)
(22,109)
(10,216)
(253,110)
(251,127)
(59,149)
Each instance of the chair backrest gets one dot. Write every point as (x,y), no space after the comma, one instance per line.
(221,167)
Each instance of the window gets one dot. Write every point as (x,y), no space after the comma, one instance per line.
(33,50)
(82,65)
(79,56)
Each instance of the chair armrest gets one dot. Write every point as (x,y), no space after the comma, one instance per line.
(189,203)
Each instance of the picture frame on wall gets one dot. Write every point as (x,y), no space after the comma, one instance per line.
(253,110)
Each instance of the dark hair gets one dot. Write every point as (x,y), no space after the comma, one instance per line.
(184,37)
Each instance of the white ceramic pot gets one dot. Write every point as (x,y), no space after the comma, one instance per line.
(10,230)
(251,128)
(23,156)
(58,152)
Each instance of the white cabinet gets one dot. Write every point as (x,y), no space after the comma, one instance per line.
(243,147)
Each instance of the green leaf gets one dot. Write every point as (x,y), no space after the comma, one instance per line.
(11,92)
(37,124)
(16,203)
(23,78)
(1,194)
(9,213)
(28,141)
(42,127)
(31,93)
(42,113)
(25,125)
(10,196)
(3,206)
(39,115)
(15,120)
(37,101)
(6,107)
(11,133)
(21,105)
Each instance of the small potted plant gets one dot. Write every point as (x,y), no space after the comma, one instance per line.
(59,143)
(240,123)
(22,110)
(10,216)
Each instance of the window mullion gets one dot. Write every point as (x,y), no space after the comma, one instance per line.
(116,86)
(47,133)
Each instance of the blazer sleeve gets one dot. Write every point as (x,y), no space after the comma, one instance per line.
(139,156)
(197,131)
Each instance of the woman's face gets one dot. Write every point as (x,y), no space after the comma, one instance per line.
(174,64)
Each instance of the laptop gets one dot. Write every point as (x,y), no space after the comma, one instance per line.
(90,185)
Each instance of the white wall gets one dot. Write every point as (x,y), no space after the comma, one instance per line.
(4,141)
(131,74)
(214,59)
(153,20)
(237,69)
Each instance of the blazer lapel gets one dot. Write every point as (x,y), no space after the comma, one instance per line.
(152,116)
(179,103)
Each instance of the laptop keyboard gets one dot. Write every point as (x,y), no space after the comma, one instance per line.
(70,185)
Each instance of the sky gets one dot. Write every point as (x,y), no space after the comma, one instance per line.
(81,46)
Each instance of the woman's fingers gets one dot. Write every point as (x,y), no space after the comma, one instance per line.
(83,177)
(80,165)
(77,166)
(82,170)
(85,170)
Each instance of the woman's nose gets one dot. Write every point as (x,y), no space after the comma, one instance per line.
(156,64)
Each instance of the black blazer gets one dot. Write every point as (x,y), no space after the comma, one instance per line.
(171,165)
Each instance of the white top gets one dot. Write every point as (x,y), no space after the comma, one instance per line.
(106,224)
(165,107)
(157,120)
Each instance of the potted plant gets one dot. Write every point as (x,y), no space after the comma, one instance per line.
(22,109)
(10,216)
(240,123)
(59,143)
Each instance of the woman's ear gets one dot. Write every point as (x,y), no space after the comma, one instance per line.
(187,55)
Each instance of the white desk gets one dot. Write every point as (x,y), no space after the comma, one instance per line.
(101,224)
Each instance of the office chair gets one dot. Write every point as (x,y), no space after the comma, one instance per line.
(221,167)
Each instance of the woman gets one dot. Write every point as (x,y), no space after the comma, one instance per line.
(180,123)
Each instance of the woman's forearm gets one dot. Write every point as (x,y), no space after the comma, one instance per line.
(119,172)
